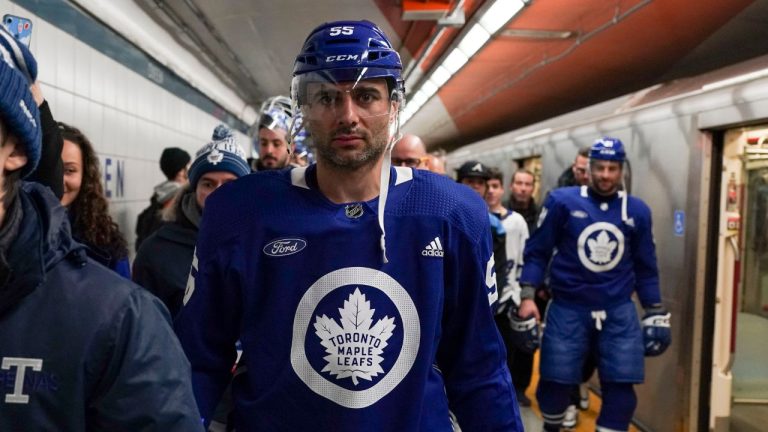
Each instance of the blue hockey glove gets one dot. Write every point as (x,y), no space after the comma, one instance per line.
(657,334)
(525,332)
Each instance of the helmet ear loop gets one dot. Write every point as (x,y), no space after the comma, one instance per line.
(294,130)
(394,126)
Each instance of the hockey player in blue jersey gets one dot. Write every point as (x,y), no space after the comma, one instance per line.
(361,292)
(605,252)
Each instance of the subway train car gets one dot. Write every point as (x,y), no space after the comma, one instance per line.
(698,149)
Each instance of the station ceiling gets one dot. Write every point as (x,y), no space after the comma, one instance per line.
(553,57)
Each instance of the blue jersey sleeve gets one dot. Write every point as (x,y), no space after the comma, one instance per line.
(208,323)
(541,244)
(644,255)
(471,355)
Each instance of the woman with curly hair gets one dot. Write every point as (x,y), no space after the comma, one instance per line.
(86,205)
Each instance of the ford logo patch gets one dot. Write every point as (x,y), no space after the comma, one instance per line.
(284,247)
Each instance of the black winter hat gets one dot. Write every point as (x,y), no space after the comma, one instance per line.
(473,169)
(173,160)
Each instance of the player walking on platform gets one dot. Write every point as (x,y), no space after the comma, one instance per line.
(605,252)
(360,292)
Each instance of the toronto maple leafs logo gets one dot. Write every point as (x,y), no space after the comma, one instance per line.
(354,348)
(215,156)
(601,246)
(356,334)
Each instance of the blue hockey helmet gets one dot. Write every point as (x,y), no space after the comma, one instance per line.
(346,52)
(525,332)
(607,148)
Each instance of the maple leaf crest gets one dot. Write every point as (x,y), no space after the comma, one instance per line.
(600,249)
(215,156)
(355,347)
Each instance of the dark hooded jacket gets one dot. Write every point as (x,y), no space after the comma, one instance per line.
(163,260)
(567,178)
(92,350)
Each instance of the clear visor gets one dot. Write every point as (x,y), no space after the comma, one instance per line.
(360,92)
(271,122)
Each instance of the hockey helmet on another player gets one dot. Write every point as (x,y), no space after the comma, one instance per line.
(280,102)
(608,148)
(525,332)
(347,52)
(275,118)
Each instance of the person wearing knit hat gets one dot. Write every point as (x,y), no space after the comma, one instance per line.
(163,260)
(32,121)
(62,314)
(17,105)
(223,154)
(173,163)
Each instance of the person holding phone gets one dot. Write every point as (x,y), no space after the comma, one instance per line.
(80,347)
(50,170)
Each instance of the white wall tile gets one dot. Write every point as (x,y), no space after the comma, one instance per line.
(97,75)
(65,61)
(82,69)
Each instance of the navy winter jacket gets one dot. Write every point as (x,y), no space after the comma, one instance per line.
(82,348)
(163,261)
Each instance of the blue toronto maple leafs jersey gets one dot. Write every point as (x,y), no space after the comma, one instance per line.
(333,338)
(600,259)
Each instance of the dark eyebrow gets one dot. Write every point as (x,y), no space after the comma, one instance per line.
(367,88)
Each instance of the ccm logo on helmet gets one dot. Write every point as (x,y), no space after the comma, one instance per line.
(341,57)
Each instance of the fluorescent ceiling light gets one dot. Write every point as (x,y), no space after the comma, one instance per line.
(500,13)
(419,98)
(474,40)
(455,60)
(429,88)
(440,76)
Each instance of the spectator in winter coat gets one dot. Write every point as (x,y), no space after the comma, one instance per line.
(163,261)
(521,197)
(87,207)
(87,349)
(173,163)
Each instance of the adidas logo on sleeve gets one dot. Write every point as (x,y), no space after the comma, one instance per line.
(433,249)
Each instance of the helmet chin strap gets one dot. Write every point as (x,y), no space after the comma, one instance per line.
(395,135)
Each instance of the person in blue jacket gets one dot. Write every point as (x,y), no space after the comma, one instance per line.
(80,347)
(361,292)
(605,253)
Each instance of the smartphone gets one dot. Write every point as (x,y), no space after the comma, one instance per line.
(19,27)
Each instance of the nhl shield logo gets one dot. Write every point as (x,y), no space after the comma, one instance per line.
(600,246)
(355,336)
(353,211)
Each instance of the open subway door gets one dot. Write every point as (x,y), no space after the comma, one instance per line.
(739,391)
